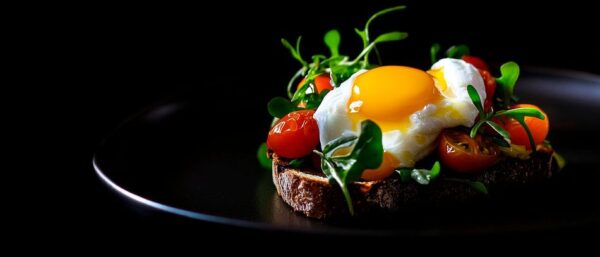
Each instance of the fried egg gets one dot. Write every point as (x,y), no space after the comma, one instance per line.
(411,107)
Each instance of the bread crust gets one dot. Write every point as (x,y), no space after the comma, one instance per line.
(307,191)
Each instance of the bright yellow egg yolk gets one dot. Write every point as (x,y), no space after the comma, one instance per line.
(388,95)
(438,76)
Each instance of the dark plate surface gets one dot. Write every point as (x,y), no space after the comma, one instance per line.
(173,157)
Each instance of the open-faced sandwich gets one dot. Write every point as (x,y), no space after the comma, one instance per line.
(354,137)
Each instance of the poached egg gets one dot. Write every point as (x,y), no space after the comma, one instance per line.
(411,107)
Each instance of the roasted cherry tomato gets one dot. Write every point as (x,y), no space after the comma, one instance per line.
(463,154)
(476,61)
(294,135)
(518,136)
(490,89)
(321,82)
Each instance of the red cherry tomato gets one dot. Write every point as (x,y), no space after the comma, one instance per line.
(476,61)
(321,82)
(463,154)
(518,136)
(294,135)
(490,89)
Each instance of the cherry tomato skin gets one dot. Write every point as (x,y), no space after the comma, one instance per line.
(463,154)
(539,128)
(476,61)
(294,135)
(321,82)
(490,89)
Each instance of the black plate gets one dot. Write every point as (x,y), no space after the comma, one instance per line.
(175,158)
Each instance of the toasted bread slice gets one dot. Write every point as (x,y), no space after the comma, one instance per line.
(308,191)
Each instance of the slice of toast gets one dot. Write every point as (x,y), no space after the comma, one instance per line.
(308,191)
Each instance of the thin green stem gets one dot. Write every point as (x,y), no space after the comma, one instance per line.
(521,121)
(346,193)
(290,86)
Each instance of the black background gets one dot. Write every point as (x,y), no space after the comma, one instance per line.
(95,65)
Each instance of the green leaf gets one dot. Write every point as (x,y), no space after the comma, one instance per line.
(521,112)
(391,36)
(434,51)
(295,51)
(474,95)
(367,153)
(404,174)
(457,51)
(507,81)
(280,106)
(498,129)
(478,186)
(262,157)
(421,176)
(335,175)
(332,40)
(435,170)
(331,171)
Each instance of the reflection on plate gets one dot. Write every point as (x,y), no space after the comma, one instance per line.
(172,157)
